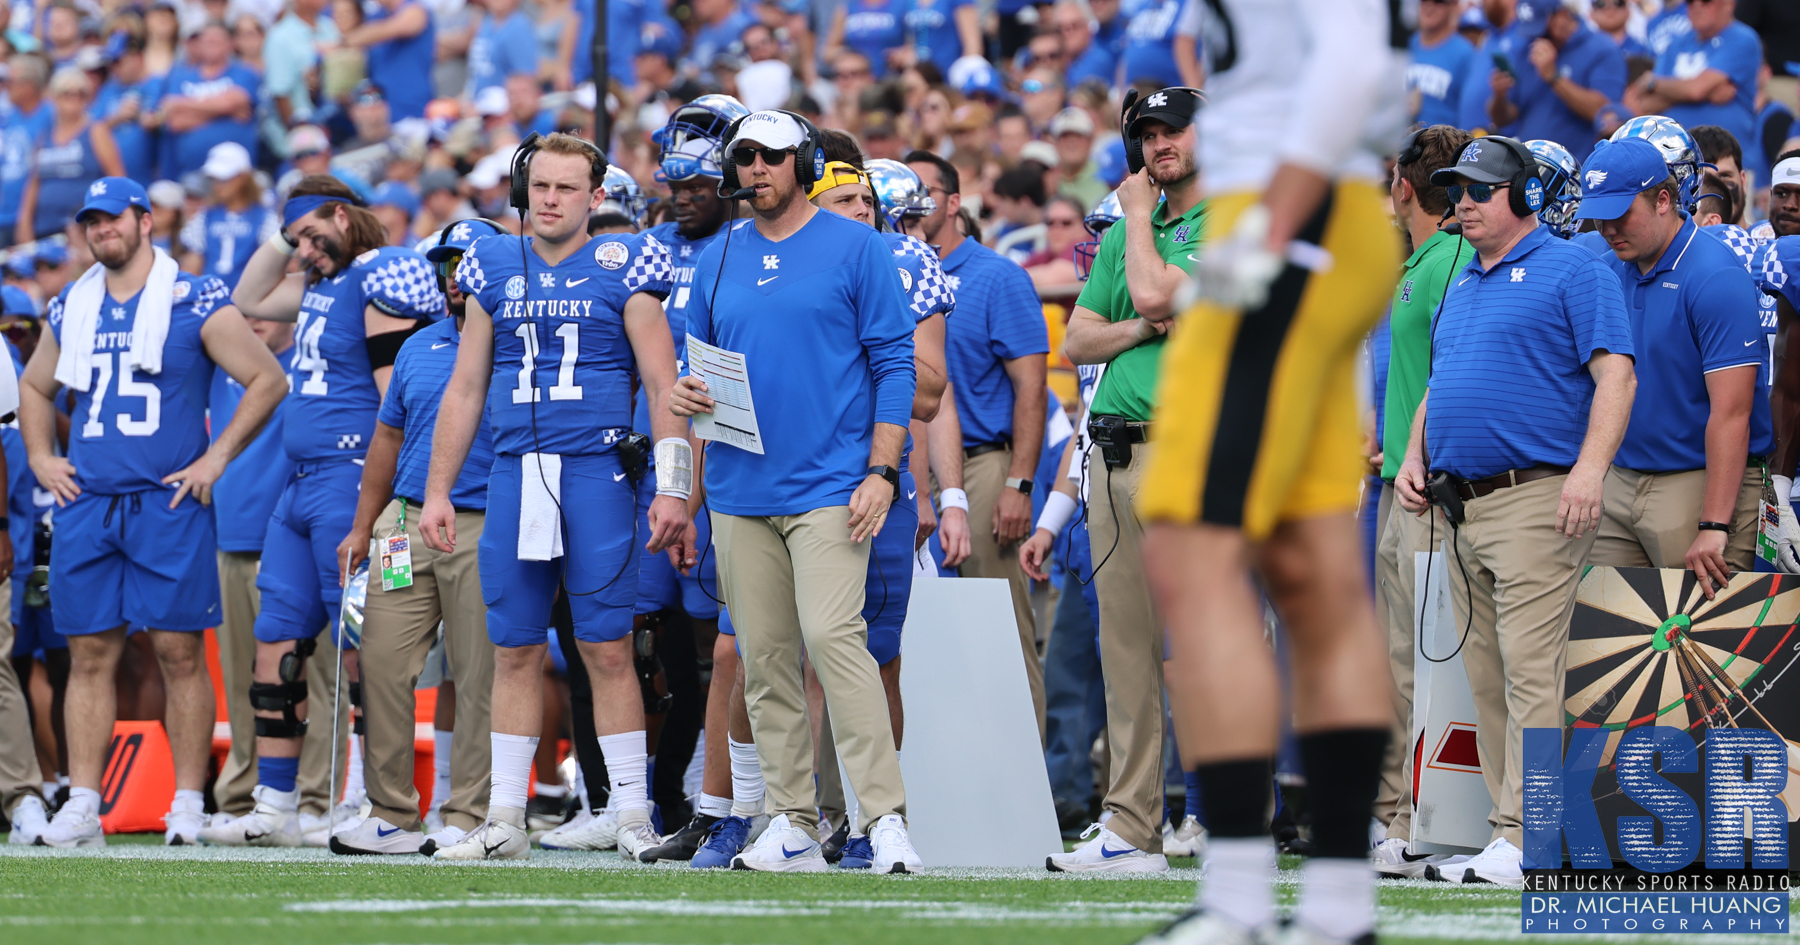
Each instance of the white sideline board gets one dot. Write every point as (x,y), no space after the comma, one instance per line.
(1451,812)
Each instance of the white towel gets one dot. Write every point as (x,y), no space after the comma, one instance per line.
(540,516)
(81,319)
(9,393)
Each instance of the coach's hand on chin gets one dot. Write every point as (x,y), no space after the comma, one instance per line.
(689,397)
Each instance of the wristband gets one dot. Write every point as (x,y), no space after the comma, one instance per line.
(279,242)
(1715,527)
(953,499)
(1058,509)
(674,467)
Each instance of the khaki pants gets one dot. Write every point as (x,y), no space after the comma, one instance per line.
(1521,575)
(1403,536)
(1131,652)
(1650,520)
(793,582)
(983,479)
(399,628)
(19,774)
(1786,90)
(237,661)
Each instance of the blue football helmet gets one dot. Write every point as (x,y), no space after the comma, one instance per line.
(692,139)
(623,195)
(1561,174)
(1103,216)
(899,192)
(1678,149)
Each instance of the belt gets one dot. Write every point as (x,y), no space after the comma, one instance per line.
(1135,431)
(982,449)
(1476,488)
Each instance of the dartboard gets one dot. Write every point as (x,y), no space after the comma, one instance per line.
(1647,648)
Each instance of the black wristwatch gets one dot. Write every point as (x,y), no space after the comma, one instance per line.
(889,473)
(5,523)
(1023,485)
(1715,527)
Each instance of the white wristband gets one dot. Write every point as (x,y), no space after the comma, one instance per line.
(674,467)
(953,499)
(1058,509)
(281,245)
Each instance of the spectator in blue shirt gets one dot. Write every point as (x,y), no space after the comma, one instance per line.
(1706,76)
(1150,33)
(1503,45)
(130,92)
(1088,58)
(208,99)
(505,45)
(401,39)
(1570,73)
(1680,493)
(1440,60)
(1529,396)
(1668,25)
(1611,17)
(721,23)
(72,153)
(27,118)
(220,239)
(939,31)
(875,28)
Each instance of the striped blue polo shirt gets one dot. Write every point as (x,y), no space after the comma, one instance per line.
(421,372)
(1693,313)
(1509,384)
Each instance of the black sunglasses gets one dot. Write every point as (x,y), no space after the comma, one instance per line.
(446,267)
(773,157)
(1480,193)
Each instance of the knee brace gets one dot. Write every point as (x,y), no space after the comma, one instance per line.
(649,665)
(280,697)
(356,713)
(293,662)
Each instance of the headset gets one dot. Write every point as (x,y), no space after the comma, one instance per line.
(1128,115)
(1526,191)
(809,157)
(520,197)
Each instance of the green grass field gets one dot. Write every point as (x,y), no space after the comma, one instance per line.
(153,895)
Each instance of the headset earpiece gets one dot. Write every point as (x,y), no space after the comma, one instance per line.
(1134,145)
(520,197)
(1526,194)
(809,157)
(728,177)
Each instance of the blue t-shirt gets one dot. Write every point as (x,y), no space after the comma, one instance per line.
(187,150)
(711,40)
(421,372)
(1095,62)
(1666,26)
(1510,387)
(1631,47)
(333,400)
(137,144)
(998,318)
(1692,314)
(1737,52)
(872,27)
(19,133)
(828,341)
(64,172)
(245,496)
(1589,59)
(1150,41)
(1477,87)
(932,26)
(501,49)
(402,67)
(562,327)
(1437,73)
(129,429)
(225,240)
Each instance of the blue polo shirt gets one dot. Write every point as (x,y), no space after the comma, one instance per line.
(1437,74)
(1692,314)
(245,496)
(1509,386)
(1476,89)
(1737,52)
(421,372)
(1589,59)
(998,318)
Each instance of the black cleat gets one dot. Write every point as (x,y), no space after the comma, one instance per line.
(682,844)
(546,813)
(833,847)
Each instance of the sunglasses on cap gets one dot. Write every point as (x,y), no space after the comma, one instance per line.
(773,157)
(1480,193)
(446,267)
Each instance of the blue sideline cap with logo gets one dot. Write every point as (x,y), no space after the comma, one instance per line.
(111,195)
(1615,174)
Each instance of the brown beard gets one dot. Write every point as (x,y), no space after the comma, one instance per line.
(132,240)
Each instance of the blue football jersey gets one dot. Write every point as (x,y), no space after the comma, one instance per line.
(332,398)
(921,277)
(226,240)
(129,429)
(563,367)
(683,254)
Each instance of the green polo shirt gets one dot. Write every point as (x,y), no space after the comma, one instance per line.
(1128,388)
(1423,281)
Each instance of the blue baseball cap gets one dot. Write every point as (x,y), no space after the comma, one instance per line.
(1473,19)
(111,195)
(1615,173)
(458,237)
(1534,16)
(15,301)
(395,194)
(52,252)
(21,263)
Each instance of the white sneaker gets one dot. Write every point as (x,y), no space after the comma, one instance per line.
(498,839)
(1297,933)
(1393,858)
(1199,927)
(29,820)
(782,848)
(375,836)
(273,823)
(71,828)
(894,851)
(1189,839)
(434,821)
(1106,853)
(636,838)
(183,827)
(1501,864)
(440,838)
(588,831)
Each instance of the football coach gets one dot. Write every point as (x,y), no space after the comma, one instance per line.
(813,302)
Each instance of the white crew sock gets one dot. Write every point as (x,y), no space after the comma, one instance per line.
(353,775)
(62,781)
(1337,897)
(1239,874)
(193,802)
(695,775)
(714,806)
(50,791)
(747,787)
(512,769)
(627,762)
(83,801)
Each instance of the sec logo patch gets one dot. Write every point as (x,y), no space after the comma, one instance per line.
(611,254)
(905,280)
(179,292)
(515,287)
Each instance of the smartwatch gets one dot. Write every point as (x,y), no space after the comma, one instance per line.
(889,473)
(1023,485)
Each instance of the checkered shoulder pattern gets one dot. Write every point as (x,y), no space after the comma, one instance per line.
(1771,275)
(931,294)
(400,282)
(469,275)
(1739,240)
(652,270)
(208,296)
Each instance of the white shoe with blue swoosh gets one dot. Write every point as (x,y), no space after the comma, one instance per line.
(375,836)
(782,848)
(1106,853)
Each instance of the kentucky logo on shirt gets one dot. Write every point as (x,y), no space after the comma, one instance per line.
(1406,291)
(1518,274)
(547,280)
(1181,234)
(771,262)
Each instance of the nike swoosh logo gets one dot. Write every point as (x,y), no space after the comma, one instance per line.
(1748,344)
(379,832)
(1109,854)
(767,281)
(488,851)
(1412,858)
(444,345)
(572,283)
(618,476)
(912,493)
(790,854)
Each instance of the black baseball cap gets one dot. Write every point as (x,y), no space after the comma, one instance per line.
(1486,160)
(1174,106)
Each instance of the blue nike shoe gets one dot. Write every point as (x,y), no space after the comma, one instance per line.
(858,854)
(725,840)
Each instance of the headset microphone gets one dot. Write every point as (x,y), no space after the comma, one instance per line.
(742,193)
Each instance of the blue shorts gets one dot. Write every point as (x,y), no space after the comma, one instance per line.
(33,630)
(660,586)
(601,543)
(888,586)
(130,559)
(298,578)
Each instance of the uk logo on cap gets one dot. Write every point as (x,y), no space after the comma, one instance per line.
(1594,178)
(97,189)
(1472,153)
